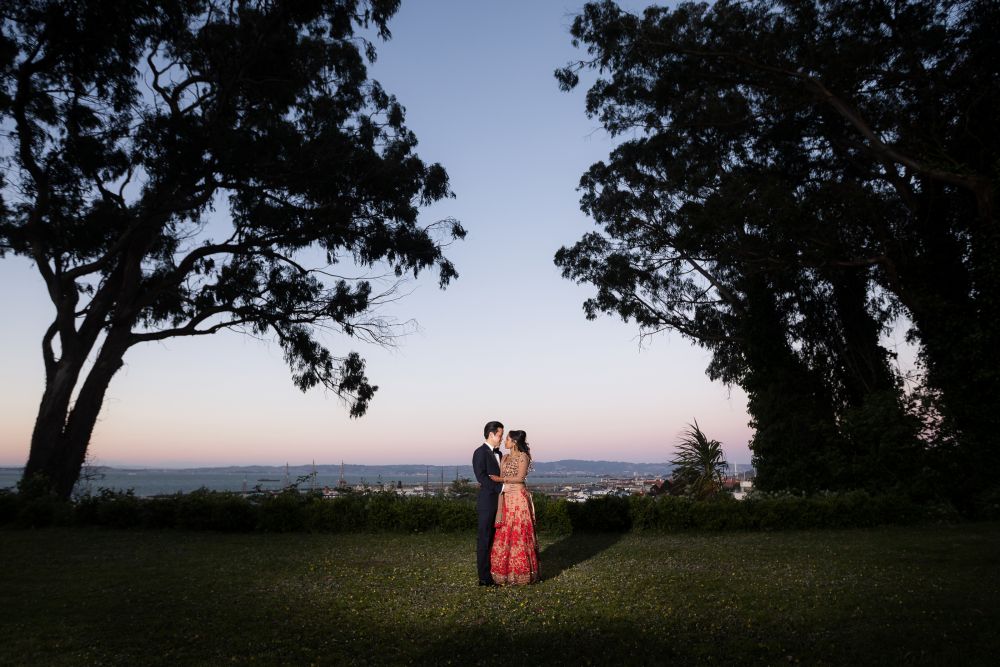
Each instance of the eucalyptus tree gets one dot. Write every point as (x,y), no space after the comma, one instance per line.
(842,158)
(182,167)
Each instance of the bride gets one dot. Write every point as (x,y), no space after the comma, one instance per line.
(514,557)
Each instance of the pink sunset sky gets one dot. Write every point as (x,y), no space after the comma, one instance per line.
(508,340)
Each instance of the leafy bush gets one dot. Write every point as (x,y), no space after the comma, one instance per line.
(988,505)
(721,513)
(779,511)
(851,509)
(283,512)
(42,511)
(233,512)
(291,511)
(672,513)
(162,512)
(206,510)
(9,506)
(608,514)
(456,515)
(116,509)
(642,509)
(551,514)
(337,515)
(417,514)
(192,511)
(36,507)
(384,510)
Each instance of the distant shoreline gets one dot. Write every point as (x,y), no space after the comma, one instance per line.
(565,466)
(154,481)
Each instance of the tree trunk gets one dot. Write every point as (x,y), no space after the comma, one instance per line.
(864,367)
(879,437)
(51,418)
(952,286)
(795,439)
(62,433)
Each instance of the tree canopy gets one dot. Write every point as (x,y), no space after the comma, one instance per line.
(793,177)
(180,167)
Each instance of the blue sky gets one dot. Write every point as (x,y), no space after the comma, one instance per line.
(507,340)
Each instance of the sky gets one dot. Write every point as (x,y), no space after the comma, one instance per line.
(507,341)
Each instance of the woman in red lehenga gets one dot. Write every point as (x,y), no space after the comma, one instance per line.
(514,557)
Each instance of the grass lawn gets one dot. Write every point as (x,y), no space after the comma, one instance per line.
(924,595)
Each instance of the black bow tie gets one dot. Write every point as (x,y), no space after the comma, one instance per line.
(496,451)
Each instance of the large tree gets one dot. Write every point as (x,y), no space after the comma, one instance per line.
(180,167)
(835,163)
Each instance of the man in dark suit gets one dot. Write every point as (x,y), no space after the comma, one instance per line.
(486,462)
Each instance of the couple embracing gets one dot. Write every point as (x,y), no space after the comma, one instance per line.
(506,549)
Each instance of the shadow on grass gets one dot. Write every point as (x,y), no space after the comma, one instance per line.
(573,550)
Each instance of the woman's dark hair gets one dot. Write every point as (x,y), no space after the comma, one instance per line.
(519,438)
(491,427)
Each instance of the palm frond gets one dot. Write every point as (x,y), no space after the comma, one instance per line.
(699,462)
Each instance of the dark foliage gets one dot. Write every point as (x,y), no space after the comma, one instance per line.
(463,488)
(607,514)
(291,511)
(551,515)
(792,178)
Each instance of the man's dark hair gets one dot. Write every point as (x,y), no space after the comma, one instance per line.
(491,427)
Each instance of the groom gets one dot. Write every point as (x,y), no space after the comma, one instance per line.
(486,462)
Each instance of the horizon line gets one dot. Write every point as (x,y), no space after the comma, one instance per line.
(181,466)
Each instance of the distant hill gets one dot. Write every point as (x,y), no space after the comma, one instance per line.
(567,468)
(577,467)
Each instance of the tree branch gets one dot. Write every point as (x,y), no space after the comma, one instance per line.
(979,185)
(48,354)
(25,136)
(724,291)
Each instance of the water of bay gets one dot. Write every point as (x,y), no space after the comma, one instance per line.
(151,482)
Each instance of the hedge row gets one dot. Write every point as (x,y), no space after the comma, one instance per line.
(294,511)
(854,509)
(226,511)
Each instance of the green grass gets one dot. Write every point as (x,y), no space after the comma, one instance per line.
(922,595)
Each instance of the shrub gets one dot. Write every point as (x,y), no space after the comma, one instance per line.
(642,509)
(456,515)
(36,506)
(282,512)
(233,512)
(337,515)
(162,511)
(720,513)
(9,507)
(110,507)
(193,511)
(208,510)
(850,509)
(672,513)
(384,510)
(42,511)
(418,514)
(607,514)
(551,514)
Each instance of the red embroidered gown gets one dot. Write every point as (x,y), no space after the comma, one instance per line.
(514,558)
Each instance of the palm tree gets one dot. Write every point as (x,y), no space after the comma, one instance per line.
(698,464)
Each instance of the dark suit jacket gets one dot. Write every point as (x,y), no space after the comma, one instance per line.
(484,464)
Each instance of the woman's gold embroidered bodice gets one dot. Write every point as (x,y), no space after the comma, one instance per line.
(510,466)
